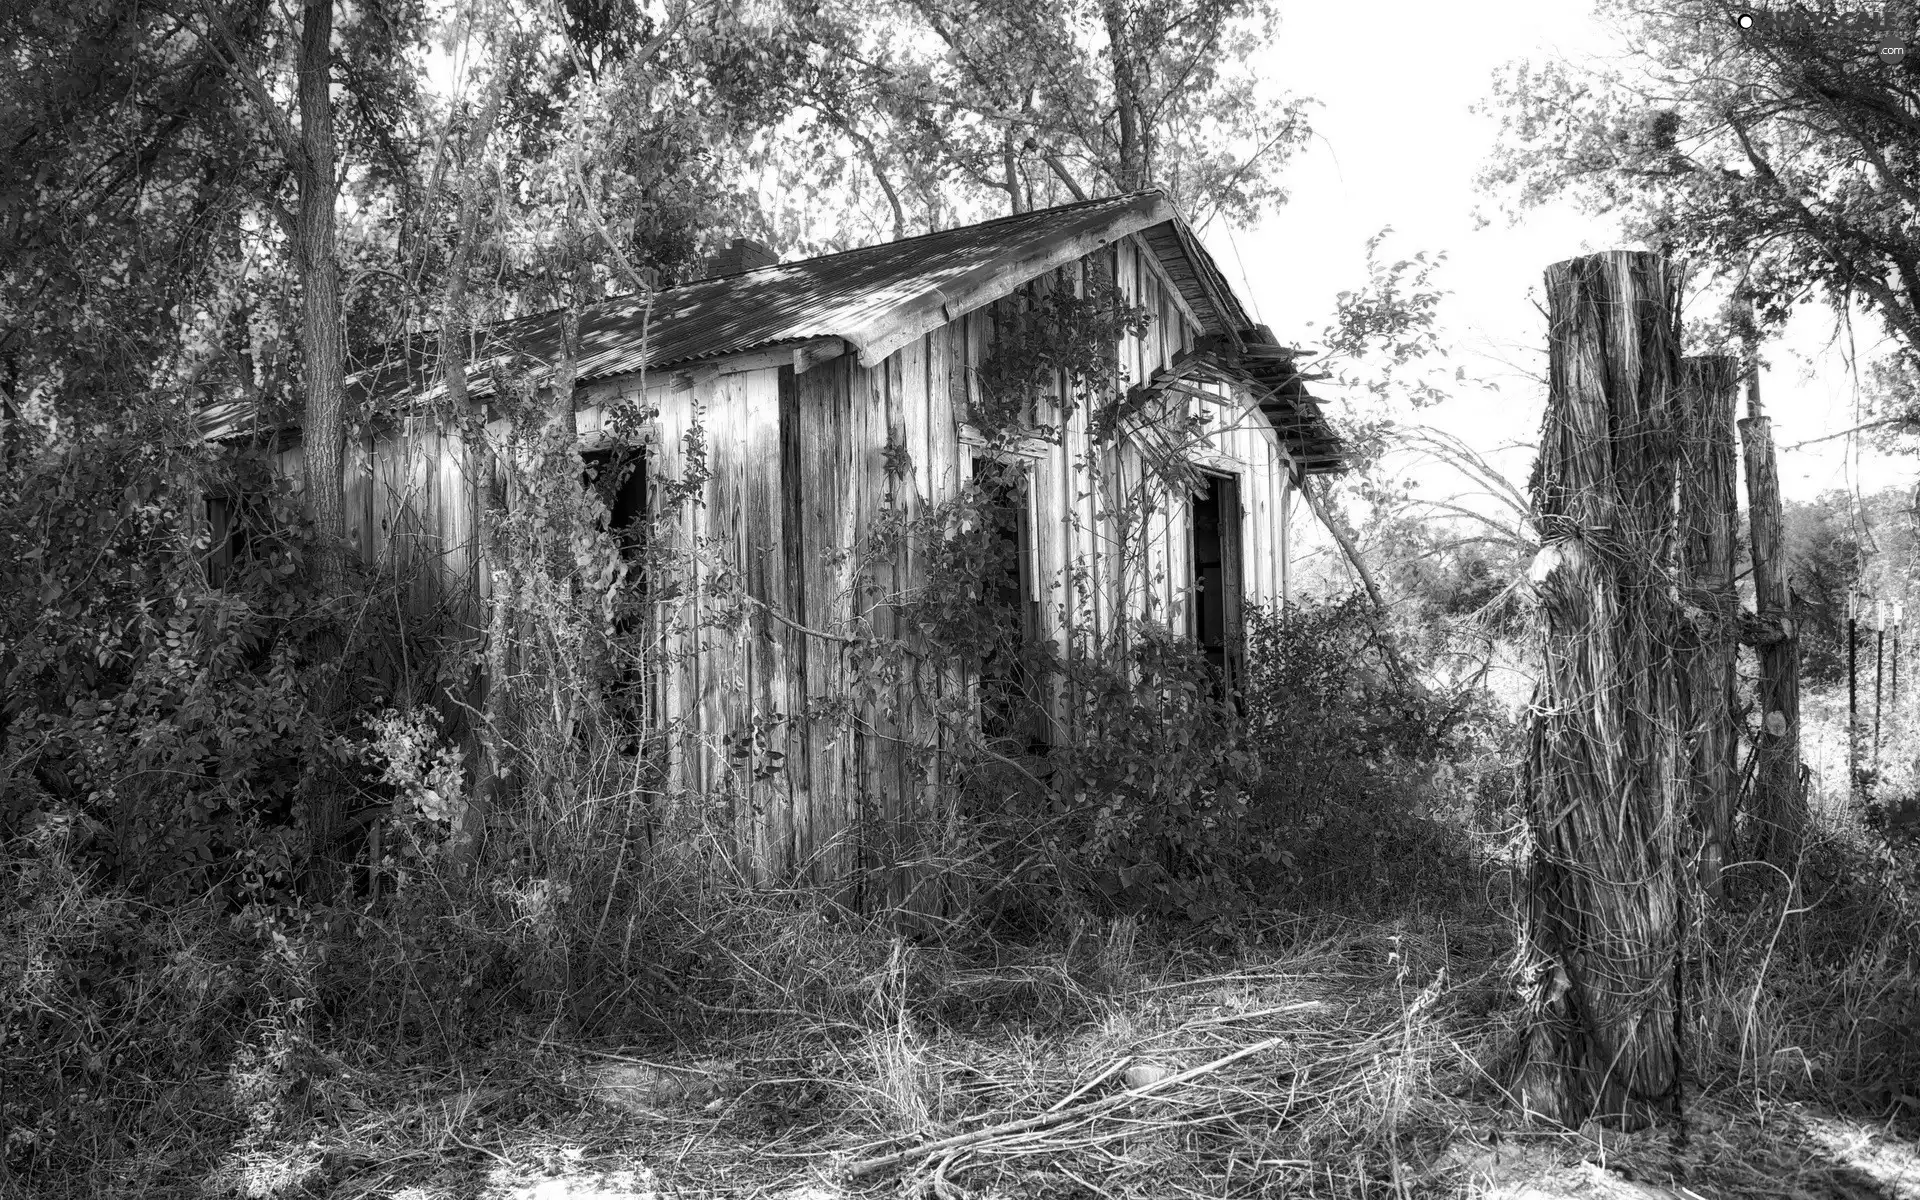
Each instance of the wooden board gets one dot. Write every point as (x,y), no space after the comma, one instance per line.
(824,493)
(767,645)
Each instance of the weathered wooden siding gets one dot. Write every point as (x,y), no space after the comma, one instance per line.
(825,494)
(768,726)
(409,496)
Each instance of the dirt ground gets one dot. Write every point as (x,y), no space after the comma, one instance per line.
(1329,1059)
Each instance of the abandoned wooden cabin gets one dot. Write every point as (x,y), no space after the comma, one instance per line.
(810,379)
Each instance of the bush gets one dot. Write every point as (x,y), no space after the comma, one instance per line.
(1368,777)
(1163,768)
(111,1012)
(200,738)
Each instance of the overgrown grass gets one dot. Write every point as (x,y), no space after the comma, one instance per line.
(601,1005)
(766,1042)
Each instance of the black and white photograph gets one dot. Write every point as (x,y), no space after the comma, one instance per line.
(959,600)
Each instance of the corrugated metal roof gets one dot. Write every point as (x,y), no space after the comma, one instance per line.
(852,295)
(872,297)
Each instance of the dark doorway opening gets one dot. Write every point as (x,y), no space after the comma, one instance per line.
(1012,708)
(232,520)
(618,477)
(1215,622)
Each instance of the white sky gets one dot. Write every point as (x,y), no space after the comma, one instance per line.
(1395,145)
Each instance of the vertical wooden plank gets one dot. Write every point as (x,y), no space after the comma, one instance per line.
(865,578)
(824,498)
(429,512)
(946,472)
(726,684)
(943,443)
(881,758)
(1093,465)
(1049,513)
(1168,323)
(909,412)
(767,645)
(792,481)
(666,467)
(694,413)
(417,448)
(977,333)
(892,725)
(1161,583)
(453,505)
(1254,497)
(1175,502)
(1136,359)
(848,522)
(362,505)
(1286,538)
(1130,347)
(910,403)
(389,493)
(1123,538)
(1275,494)
(1251,454)
(1147,555)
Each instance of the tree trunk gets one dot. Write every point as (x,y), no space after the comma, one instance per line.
(1709,647)
(1010,164)
(1345,541)
(323,333)
(1126,100)
(1779,804)
(324,372)
(1604,795)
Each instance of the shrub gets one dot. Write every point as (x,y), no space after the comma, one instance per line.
(1360,760)
(110,1010)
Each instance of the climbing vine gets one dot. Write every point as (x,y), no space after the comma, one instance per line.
(1119,756)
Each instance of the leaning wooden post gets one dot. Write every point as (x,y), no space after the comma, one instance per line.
(1853,699)
(1709,513)
(1879,673)
(1893,686)
(1779,804)
(1604,777)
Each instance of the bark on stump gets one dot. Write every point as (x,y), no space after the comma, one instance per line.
(1709,647)
(1604,781)
(1779,805)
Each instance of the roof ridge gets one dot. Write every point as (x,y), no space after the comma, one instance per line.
(635,300)
(1031,213)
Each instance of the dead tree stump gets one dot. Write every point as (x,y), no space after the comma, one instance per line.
(1779,808)
(1710,638)
(1605,796)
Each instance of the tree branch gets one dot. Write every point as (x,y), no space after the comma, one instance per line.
(1310,489)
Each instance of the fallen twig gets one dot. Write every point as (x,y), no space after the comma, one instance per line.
(1047,1120)
(1229,1018)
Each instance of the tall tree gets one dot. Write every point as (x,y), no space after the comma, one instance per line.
(1007,103)
(306,141)
(1781,152)
(120,256)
